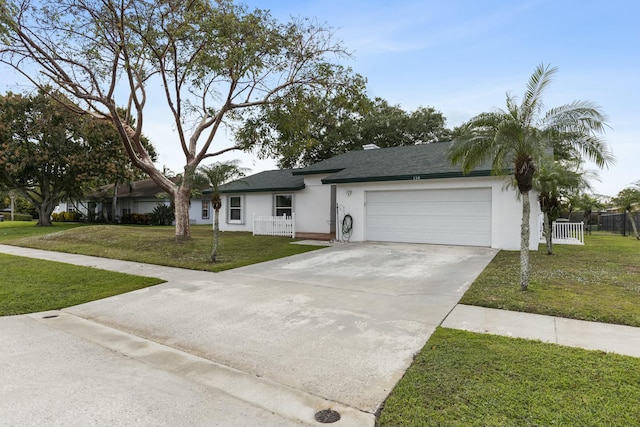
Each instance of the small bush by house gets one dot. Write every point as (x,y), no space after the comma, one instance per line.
(66,217)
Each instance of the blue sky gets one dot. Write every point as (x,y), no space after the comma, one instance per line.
(462,56)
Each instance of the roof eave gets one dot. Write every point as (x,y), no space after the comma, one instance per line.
(419,177)
(262,190)
(316,172)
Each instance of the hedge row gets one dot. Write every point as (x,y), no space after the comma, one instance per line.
(66,217)
(17,217)
(136,218)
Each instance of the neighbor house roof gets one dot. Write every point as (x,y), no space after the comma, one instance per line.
(275,180)
(145,188)
(425,161)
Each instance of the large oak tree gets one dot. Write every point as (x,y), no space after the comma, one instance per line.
(49,153)
(214,63)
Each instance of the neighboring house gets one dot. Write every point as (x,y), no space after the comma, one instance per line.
(399,194)
(138,197)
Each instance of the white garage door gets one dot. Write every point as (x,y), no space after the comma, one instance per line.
(450,217)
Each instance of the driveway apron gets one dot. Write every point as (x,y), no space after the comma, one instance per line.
(342,323)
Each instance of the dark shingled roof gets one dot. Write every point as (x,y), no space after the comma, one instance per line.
(276,180)
(145,188)
(426,161)
(409,162)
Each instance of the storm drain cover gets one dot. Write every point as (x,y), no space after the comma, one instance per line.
(327,416)
(51,316)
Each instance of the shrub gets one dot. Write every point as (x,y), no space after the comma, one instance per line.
(20,217)
(16,216)
(162,215)
(66,217)
(136,218)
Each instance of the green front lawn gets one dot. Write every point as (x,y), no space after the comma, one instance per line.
(598,282)
(157,245)
(12,230)
(30,285)
(466,379)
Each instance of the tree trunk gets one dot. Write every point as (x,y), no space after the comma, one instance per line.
(216,234)
(114,201)
(548,233)
(181,200)
(45,209)
(633,225)
(524,242)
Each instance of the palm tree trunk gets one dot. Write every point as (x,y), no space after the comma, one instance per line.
(216,232)
(524,242)
(633,225)
(548,234)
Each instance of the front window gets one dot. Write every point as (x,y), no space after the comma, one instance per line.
(284,204)
(205,209)
(235,211)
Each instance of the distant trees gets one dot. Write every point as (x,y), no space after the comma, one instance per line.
(628,199)
(316,128)
(518,140)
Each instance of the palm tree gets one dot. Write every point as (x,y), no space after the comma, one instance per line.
(627,199)
(217,174)
(557,181)
(516,139)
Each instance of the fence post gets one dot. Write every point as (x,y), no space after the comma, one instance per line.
(293,225)
(254,224)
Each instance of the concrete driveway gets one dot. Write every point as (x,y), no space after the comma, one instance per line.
(334,328)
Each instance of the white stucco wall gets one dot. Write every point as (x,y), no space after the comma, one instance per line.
(195,212)
(260,204)
(505,207)
(311,205)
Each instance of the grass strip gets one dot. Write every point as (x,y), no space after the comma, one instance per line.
(597,282)
(466,379)
(31,285)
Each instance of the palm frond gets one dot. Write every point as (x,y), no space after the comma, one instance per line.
(532,101)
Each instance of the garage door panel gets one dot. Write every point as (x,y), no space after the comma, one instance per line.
(461,217)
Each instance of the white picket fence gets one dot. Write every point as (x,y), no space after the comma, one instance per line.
(274,226)
(564,233)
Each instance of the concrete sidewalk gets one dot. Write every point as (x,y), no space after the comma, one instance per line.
(619,339)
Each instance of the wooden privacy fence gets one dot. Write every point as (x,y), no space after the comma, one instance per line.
(274,226)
